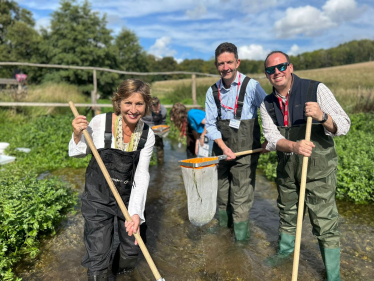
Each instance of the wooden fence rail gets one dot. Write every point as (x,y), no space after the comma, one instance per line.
(57,104)
(94,69)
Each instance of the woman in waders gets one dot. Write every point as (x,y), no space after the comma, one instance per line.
(125,145)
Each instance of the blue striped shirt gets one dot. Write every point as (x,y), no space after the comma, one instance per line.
(254,95)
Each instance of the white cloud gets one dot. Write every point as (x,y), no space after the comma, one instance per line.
(160,48)
(252,52)
(309,20)
(255,6)
(295,50)
(341,10)
(44,22)
(197,13)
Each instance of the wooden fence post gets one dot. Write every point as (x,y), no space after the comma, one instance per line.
(94,93)
(194,102)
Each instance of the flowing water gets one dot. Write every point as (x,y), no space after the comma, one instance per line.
(182,251)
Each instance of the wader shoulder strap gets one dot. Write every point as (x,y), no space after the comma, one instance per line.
(243,89)
(108,131)
(143,137)
(311,92)
(271,111)
(216,99)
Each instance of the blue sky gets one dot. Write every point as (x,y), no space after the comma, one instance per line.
(191,29)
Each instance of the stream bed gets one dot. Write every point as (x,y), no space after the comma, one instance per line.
(182,251)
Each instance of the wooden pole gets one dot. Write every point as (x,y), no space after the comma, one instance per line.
(117,197)
(94,93)
(300,212)
(194,102)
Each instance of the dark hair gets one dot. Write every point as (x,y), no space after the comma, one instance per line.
(126,89)
(276,52)
(178,115)
(226,48)
(155,101)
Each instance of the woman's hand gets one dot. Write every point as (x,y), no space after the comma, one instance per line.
(133,226)
(79,124)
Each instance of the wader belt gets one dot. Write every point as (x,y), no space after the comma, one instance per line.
(309,97)
(108,133)
(239,109)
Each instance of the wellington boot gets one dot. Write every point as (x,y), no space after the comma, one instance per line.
(331,259)
(225,218)
(241,230)
(104,275)
(286,247)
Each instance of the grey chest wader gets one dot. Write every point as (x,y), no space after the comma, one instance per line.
(236,179)
(104,228)
(319,192)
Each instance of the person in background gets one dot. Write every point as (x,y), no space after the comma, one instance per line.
(125,145)
(190,124)
(284,113)
(157,117)
(231,121)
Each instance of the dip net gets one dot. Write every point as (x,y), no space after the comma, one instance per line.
(201,185)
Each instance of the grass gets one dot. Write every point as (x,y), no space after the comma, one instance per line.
(48,92)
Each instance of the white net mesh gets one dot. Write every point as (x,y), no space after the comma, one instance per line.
(201,188)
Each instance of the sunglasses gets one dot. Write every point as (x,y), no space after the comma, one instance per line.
(281,67)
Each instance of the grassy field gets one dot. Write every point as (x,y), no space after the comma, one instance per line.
(352,85)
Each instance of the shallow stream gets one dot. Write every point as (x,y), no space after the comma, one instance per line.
(182,251)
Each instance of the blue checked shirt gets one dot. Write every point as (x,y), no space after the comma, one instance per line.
(254,95)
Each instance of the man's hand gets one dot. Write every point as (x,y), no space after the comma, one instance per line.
(303,147)
(263,146)
(230,155)
(133,226)
(313,110)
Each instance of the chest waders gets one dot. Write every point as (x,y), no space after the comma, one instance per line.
(108,247)
(236,178)
(319,190)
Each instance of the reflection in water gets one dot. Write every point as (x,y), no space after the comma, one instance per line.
(182,251)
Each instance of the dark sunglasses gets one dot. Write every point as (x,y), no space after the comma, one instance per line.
(281,67)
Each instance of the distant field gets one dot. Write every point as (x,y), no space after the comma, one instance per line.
(349,83)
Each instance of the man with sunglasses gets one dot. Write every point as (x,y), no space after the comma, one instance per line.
(283,115)
(231,121)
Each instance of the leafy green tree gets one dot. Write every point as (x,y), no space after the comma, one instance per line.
(131,56)
(79,37)
(18,39)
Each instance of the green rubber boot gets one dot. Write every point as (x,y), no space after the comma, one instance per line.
(241,230)
(331,259)
(286,247)
(225,218)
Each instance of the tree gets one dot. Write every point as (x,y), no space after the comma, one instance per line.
(18,39)
(79,37)
(131,56)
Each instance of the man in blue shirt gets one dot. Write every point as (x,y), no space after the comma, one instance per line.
(231,121)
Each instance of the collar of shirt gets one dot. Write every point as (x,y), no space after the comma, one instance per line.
(288,93)
(234,83)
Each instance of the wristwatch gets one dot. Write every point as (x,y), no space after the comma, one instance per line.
(325,117)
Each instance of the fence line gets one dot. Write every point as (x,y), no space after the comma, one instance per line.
(57,104)
(94,69)
(106,69)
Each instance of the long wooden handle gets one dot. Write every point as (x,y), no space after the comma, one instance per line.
(117,196)
(248,152)
(300,212)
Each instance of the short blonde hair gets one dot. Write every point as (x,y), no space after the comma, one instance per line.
(126,89)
